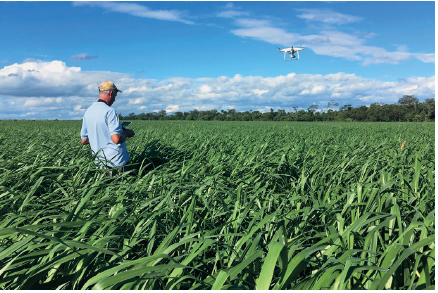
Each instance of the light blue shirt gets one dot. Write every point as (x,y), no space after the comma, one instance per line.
(99,123)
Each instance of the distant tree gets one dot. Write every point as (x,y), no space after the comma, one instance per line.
(232,115)
(331,105)
(317,116)
(194,114)
(311,112)
(179,115)
(430,108)
(360,113)
(142,116)
(281,115)
(162,114)
(246,116)
(347,107)
(300,115)
(408,109)
(312,108)
(256,115)
(408,100)
(271,115)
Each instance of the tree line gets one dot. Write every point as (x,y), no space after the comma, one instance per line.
(407,109)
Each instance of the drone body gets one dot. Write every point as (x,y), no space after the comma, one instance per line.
(292,52)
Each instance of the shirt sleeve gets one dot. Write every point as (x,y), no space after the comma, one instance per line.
(114,123)
(84,132)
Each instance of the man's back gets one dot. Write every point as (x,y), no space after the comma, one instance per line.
(99,123)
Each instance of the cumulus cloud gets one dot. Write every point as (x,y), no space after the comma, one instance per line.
(172,108)
(138,10)
(83,57)
(54,90)
(50,79)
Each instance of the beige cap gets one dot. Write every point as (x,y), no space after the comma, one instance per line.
(108,86)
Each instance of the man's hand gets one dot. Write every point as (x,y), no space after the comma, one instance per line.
(129,132)
(85,141)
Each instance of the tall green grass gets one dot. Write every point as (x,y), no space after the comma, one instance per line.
(220,205)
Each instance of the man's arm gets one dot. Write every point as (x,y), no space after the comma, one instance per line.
(119,138)
(118,133)
(84,133)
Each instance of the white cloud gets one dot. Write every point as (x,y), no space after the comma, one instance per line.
(371,99)
(327,16)
(41,102)
(263,30)
(259,92)
(317,89)
(54,90)
(304,92)
(232,13)
(136,101)
(427,58)
(172,108)
(204,89)
(138,10)
(78,108)
(50,79)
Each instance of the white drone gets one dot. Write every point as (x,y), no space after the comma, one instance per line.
(292,52)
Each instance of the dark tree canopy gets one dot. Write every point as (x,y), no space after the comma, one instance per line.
(408,100)
(407,109)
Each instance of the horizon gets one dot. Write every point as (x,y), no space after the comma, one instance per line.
(180,56)
(294,111)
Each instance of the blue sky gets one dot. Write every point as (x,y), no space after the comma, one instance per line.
(181,56)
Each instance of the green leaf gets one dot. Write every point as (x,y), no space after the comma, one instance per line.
(264,280)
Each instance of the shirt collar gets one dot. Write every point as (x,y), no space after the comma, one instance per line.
(100,100)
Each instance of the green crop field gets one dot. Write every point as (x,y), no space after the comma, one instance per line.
(220,205)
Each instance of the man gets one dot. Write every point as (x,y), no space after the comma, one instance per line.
(101,129)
